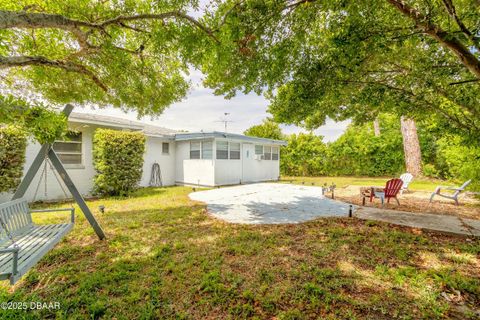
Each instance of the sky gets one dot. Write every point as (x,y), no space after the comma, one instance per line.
(202,110)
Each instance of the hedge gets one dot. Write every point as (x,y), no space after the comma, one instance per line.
(13,143)
(118,160)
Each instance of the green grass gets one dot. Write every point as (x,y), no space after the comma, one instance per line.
(164,257)
(424,184)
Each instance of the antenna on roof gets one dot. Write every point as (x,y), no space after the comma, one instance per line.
(225,120)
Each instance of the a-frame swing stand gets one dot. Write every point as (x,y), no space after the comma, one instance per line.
(47,150)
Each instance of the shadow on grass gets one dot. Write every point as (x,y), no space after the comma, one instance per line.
(177,262)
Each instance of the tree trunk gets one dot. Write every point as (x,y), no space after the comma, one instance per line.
(376,127)
(411,147)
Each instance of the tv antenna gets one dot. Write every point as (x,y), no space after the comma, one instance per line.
(225,120)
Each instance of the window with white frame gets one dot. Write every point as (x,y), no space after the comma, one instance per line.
(70,150)
(165,147)
(234,150)
(275,153)
(195,150)
(267,152)
(207,150)
(258,149)
(222,150)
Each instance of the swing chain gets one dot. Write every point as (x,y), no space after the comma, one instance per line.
(44,177)
(9,235)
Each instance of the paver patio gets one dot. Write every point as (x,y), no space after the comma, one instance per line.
(426,221)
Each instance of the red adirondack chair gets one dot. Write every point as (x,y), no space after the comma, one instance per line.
(392,188)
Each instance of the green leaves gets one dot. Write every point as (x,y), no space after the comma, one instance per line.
(268,129)
(132,55)
(43,123)
(13,142)
(347,59)
(118,160)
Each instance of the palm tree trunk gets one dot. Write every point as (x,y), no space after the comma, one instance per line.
(376,127)
(411,146)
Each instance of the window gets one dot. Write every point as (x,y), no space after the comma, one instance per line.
(207,150)
(70,150)
(165,147)
(194,150)
(234,150)
(267,151)
(222,150)
(258,149)
(274,153)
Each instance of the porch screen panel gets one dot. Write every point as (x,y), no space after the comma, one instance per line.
(222,150)
(234,150)
(275,153)
(207,150)
(194,150)
(267,151)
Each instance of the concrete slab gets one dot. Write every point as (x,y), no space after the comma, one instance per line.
(426,221)
(270,203)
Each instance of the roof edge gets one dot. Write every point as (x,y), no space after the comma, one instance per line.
(225,135)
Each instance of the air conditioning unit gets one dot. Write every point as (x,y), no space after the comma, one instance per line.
(258,157)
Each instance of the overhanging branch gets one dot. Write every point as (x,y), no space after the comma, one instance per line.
(22,61)
(36,20)
(469,60)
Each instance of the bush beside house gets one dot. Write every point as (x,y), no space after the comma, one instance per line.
(13,143)
(118,160)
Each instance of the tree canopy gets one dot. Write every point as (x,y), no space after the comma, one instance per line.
(352,59)
(129,54)
(267,129)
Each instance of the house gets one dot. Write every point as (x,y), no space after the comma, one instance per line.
(204,158)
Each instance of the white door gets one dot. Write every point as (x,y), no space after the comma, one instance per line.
(248,162)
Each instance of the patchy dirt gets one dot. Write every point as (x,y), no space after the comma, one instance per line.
(417,201)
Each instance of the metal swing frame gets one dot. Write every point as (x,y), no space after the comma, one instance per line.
(47,151)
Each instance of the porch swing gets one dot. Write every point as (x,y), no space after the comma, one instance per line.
(22,242)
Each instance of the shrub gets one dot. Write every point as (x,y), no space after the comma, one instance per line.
(303,156)
(429,170)
(359,152)
(459,161)
(118,159)
(13,142)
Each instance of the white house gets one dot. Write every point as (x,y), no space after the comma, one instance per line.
(203,158)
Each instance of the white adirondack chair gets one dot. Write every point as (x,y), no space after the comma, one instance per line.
(406,178)
(454,195)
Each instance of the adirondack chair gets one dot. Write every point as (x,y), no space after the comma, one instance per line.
(406,178)
(390,191)
(454,195)
(23,243)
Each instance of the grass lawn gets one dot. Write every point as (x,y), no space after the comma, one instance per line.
(166,258)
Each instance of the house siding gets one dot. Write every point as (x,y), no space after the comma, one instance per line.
(193,171)
(176,166)
(83,175)
(153,154)
(246,169)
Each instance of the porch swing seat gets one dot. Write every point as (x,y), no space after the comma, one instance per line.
(22,242)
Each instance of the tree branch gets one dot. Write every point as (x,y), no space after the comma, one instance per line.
(422,22)
(464,81)
(21,61)
(32,20)
(453,13)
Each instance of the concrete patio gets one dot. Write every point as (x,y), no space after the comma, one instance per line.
(275,203)
(270,203)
